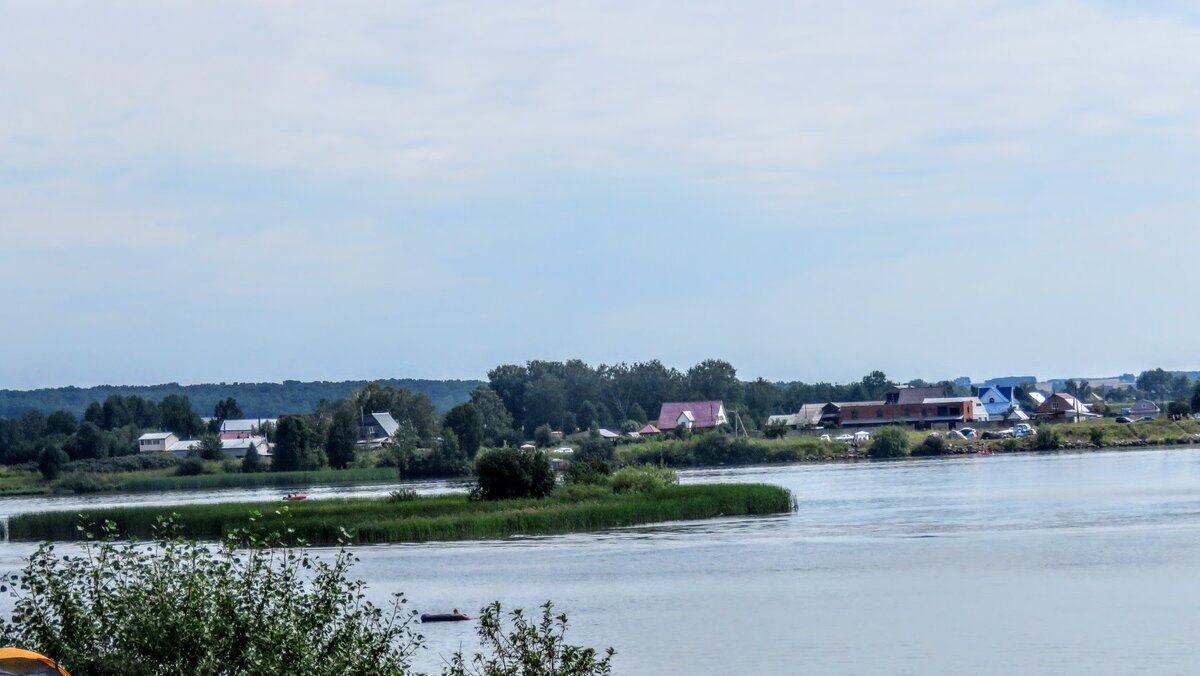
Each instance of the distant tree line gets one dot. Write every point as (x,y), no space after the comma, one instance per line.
(572,395)
(517,403)
(257,400)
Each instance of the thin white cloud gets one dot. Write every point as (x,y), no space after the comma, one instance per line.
(454,90)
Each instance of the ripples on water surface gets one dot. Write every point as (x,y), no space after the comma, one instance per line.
(1066,564)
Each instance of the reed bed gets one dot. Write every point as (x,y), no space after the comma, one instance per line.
(435,518)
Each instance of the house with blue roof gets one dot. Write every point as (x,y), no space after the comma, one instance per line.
(997,399)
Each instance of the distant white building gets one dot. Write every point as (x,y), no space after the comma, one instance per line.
(247,425)
(156,442)
(167,442)
(238,448)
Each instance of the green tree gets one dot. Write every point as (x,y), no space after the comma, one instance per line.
(342,437)
(497,421)
(451,458)
(596,448)
(715,379)
(1156,384)
(636,412)
(50,461)
(252,462)
(293,445)
(89,441)
(1195,401)
(177,416)
(761,400)
(61,422)
(509,381)
(210,447)
(228,409)
(510,473)
(889,442)
(405,443)
(467,423)
(545,402)
(875,383)
(543,436)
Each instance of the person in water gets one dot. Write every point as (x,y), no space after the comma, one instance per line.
(458,614)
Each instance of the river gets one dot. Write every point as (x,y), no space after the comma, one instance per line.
(1023,564)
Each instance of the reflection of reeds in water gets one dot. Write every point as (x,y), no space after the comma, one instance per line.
(252,480)
(449,517)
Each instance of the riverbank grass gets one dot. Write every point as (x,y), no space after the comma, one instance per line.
(421,519)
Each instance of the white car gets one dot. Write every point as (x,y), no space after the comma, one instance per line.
(826,437)
(564,450)
(844,438)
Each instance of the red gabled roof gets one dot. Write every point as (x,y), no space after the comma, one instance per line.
(703,413)
(649,429)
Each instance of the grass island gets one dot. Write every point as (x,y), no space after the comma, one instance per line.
(421,519)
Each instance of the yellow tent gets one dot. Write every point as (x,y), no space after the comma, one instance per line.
(17,662)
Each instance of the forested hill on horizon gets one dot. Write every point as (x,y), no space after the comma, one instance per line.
(257,400)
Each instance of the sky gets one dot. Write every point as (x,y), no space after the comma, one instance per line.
(259,191)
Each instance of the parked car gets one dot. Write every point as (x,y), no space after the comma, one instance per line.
(1024,430)
(1124,420)
(826,437)
(564,450)
(844,438)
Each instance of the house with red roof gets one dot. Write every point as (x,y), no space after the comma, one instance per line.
(693,415)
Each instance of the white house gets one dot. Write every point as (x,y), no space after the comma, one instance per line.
(239,447)
(997,399)
(980,411)
(156,442)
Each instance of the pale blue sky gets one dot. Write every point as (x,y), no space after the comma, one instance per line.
(261,191)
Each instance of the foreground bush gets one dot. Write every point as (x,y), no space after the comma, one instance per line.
(510,473)
(529,649)
(178,607)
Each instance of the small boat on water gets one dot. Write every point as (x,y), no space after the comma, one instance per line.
(293,497)
(444,617)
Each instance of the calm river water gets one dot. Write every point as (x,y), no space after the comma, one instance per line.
(1063,564)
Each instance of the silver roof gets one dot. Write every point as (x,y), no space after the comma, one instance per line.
(387,422)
